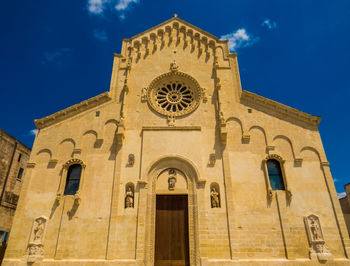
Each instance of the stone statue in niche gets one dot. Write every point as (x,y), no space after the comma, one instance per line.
(318,248)
(35,246)
(315,229)
(129,198)
(214,198)
(172,179)
(38,231)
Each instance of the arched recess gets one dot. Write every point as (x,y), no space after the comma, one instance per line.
(235,131)
(193,180)
(109,130)
(65,148)
(285,147)
(258,139)
(44,155)
(308,153)
(88,140)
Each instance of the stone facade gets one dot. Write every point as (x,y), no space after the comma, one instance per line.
(345,206)
(176,121)
(13,159)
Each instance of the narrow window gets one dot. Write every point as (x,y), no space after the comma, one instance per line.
(275,174)
(73,179)
(3,236)
(20,173)
(19,157)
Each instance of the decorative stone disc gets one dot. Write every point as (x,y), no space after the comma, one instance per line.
(174,94)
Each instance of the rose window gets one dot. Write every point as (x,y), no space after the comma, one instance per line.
(174,94)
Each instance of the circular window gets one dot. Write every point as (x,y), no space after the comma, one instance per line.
(174,94)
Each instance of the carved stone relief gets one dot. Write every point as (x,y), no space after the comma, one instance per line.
(35,246)
(318,248)
(172,179)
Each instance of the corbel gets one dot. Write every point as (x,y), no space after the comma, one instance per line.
(30,165)
(223,134)
(245,138)
(298,161)
(120,135)
(77,198)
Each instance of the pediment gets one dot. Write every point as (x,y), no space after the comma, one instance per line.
(177,32)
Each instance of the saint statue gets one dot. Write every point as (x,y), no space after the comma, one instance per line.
(38,230)
(129,198)
(214,196)
(315,230)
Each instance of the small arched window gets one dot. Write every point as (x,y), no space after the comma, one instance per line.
(73,179)
(275,174)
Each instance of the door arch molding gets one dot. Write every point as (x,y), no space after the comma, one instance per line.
(192,177)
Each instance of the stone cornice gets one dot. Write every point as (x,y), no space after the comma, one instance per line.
(72,110)
(181,21)
(280,110)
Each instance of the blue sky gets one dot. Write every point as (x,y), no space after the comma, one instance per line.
(54,54)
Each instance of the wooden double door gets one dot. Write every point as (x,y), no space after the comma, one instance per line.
(172,245)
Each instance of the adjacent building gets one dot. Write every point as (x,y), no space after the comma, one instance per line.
(13,159)
(345,206)
(177,165)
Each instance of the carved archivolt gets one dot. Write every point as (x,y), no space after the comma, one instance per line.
(174,94)
(73,161)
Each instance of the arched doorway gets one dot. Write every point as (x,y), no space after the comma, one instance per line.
(171,234)
(180,202)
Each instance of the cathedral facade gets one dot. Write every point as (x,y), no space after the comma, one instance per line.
(177,165)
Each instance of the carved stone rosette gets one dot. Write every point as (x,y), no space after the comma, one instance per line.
(318,248)
(35,245)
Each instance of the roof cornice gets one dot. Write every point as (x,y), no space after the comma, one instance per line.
(280,110)
(72,110)
(178,20)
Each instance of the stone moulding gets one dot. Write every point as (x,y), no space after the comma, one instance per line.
(171,128)
(72,111)
(282,110)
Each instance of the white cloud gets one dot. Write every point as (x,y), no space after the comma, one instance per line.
(33,132)
(335,180)
(238,39)
(124,4)
(341,195)
(55,55)
(96,7)
(100,35)
(269,24)
(122,16)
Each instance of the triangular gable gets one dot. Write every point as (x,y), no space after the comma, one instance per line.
(180,21)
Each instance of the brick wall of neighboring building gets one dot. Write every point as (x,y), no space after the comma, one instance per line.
(13,159)
(345,206)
